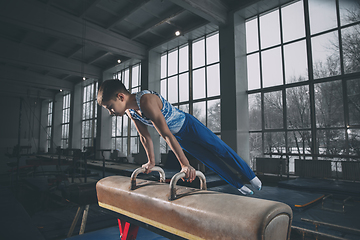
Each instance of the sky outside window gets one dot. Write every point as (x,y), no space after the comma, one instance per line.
(212,49)
(322,15)
(252,37)
(295,62)
(272,67)
(269,29)
(253,71)
(293,23)
(198,53)
(173,63)
(183,59)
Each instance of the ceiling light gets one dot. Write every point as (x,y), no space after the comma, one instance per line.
(119,61)
(84,78)
(177,33)
(60,90)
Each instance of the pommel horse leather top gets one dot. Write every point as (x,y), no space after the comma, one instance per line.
(194,213)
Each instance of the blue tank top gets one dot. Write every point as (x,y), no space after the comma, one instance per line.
(174,117)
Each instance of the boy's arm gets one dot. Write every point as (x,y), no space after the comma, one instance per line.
(147,143)
(151,106)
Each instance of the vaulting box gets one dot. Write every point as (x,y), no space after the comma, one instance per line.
(196,214)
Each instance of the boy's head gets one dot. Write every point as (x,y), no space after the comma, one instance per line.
(109,89)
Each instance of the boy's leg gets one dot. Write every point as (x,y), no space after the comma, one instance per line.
(211,162)
(213,152)
(206,138)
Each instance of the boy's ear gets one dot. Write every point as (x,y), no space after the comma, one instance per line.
(120,96)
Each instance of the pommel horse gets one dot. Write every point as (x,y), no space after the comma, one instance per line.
(194,213)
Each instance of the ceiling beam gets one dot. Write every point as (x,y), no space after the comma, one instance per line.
(20,54)
(37,16)
(75,51)
(128,10)
(152,24)
(9,89)
(212,10)
(98,57)
(84,11)
(17,76)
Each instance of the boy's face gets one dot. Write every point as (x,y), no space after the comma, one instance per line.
(116,106)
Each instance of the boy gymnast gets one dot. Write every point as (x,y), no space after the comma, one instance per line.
(180,131)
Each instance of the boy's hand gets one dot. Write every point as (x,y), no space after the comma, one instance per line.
(190,173)
(148,166)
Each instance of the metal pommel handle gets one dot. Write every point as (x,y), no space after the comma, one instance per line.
(179,175)
(142,170)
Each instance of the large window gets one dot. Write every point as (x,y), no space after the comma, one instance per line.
(304,80)
(65,123)
(124,134)
(190,80)
(89,115)
(49,125)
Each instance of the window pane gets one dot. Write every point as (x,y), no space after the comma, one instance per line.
(214,115)
(274,142)
(351,48)
(322,15)
(353,92)
(326,58)
(184,108)
(135,76)
(198,52)
(199,111)
(273,110)
(163,65)
(95,126)
(119,121)
(113,126)
(213,80)
(125,127)
(113,143)
(295,62)
(67,111)
(173,90)
(125,79)
(253,71)
(252,36)
(134,145)
(163,88)
(272,67)
(162,145)
(49,120)
(299,142)
(199,83)
(82,130)
(184,59)
(173,63)
(329,108)
(84,97)
(349,11)
(293,21)
(212,49)
(298,107)
(255,111)
(124,146)
(354,140)
(269,29)
(184,87)
(255,145)
(331,142)
(119,145)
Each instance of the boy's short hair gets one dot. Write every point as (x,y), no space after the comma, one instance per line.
(109,89)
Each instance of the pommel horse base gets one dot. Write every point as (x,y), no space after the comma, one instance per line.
(194,213)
